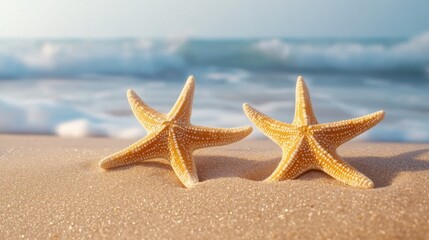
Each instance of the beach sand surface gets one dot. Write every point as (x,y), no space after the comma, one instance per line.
(52,188)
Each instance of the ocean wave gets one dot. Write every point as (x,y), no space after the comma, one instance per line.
(166,58)
(409,57)
(29,59)
(79,109)
(36,117)
(46,117)
(60,92)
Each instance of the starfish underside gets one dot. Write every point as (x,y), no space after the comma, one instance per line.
(171,136)
(307,145)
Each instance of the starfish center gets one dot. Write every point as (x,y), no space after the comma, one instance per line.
(304,130)
(168,123)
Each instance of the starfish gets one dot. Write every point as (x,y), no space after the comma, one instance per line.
(171,136)
(307,145)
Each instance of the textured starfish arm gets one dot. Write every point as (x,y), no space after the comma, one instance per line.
(337,133)
(182,163)
(202,137)
(338,169)
(293,162)
(182,109)
(148,117)
(277,131)
(144,149)
(304,114)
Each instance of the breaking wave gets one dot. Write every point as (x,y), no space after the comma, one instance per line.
(407,57)
(29,59)
(163,58)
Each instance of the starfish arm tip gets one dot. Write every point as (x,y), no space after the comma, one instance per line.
(370,185)
(377,116)
(190,183)
(188,179)
(111,161)
(247,109)
(381,113)
(242,131)
(367,184)
(131,94)
(191,80)
(246,130)
(104,163)
(300,82)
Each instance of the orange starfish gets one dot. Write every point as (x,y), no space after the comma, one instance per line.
(308,145)
(171,136)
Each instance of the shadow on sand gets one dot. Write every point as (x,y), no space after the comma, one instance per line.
(213,167)
(160,164)
(382,170)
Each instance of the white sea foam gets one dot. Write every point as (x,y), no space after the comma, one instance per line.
(21,59)
(69,58)
(410,55)
(79,128)
(232,76)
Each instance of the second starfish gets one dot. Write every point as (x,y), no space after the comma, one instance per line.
(171,136)
(308,145)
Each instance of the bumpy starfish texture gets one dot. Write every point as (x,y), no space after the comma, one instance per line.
(308,145)
(171,136)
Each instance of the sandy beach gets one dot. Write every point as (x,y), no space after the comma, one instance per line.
(52,188)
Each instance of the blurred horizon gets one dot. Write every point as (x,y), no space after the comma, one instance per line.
(223,38)
(214,19)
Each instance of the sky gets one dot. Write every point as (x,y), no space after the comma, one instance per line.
(212,19)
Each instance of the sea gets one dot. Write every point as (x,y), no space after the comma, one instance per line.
(77,87)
